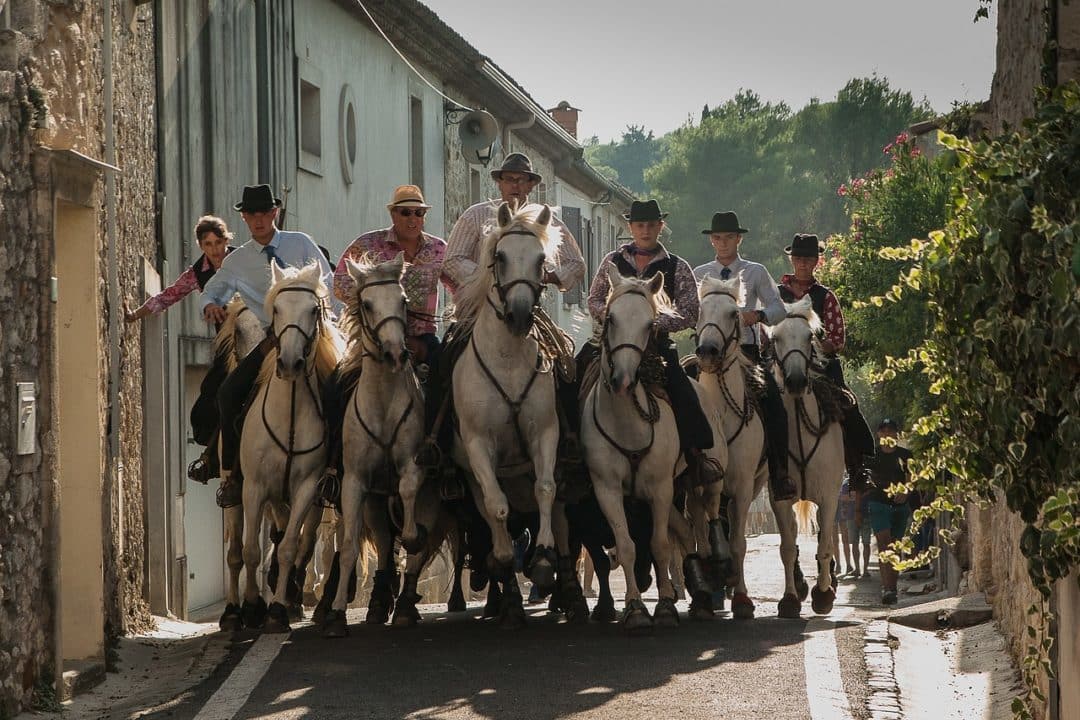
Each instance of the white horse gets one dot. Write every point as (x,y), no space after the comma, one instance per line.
(382,432)
(504,397)
(283,445)
(724,371)
(816,451)
(631,442)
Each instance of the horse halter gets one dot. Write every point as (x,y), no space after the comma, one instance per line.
(728,339)
(609,351)
(536,287)
(371,332)
(309,340)
(799,351)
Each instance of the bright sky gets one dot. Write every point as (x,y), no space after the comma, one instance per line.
(654,64)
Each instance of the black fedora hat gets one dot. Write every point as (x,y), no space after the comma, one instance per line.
(644,211)
(725,222)
(519,163)
(257,198)
(804,245)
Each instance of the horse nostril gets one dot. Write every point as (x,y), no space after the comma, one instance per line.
(299,363)
(388,356)
(713,350)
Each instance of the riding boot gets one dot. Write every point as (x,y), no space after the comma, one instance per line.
(232,397)
(205,466)
(335,396)
(776,441)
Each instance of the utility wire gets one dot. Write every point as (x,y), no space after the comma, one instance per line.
(412,67)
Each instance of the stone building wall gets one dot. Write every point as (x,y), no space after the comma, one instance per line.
(52,88)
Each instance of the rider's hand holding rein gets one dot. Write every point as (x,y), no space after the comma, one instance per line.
(214,313)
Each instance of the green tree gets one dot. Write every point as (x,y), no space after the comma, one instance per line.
(637,150)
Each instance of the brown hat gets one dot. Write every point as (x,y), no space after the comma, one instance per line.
(519,163)
(406,196)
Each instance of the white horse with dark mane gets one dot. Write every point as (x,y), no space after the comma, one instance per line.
(816,450)
(283,444)
(631,442)
(504,397)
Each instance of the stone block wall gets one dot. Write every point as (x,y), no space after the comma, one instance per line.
(52,84)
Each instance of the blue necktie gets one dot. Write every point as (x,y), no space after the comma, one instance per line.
(725,273)
(271,253)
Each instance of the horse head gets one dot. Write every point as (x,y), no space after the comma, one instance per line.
(795,344)
(719,326)
(629,320)
(379,309)
(516,261)
(295,304)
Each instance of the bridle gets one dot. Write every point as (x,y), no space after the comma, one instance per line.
(501,289)
(309,339)
(802,416)
(371,332)
(729,339)
(609,352)
(799,351)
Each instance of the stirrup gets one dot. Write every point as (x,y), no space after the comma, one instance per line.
(199,470)
(229,494)
(451,487)
(328,490)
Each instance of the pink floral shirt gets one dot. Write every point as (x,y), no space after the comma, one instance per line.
(184,286)
(420,281)
(834,317)
(686,291)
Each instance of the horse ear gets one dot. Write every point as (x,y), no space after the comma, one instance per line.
(544,218)
(276,273)
(399,260)
(355,271)
(504,215)
(656,283)
(614,277)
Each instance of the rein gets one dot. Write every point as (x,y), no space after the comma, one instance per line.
(536,287)
(802,416)
(745,413)
(309,342)
(371,332)
(515,405)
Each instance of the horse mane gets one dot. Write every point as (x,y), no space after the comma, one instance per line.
(470,296)
(661,303)
(330,345)
(224,345)
(351,322)
(804,309)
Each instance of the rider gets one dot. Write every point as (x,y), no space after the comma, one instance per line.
(213,237)
(247,272)
(805,252)
(642,259)
(763,305)
(424,254)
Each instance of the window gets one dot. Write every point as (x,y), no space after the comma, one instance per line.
(542,193)
(5,15)
(416,141)
(309,117)
(474,186)
(347,133)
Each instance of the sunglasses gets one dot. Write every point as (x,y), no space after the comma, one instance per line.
(409,212)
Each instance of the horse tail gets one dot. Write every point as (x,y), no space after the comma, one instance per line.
(804,515)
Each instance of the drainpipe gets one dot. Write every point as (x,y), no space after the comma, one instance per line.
(510,127)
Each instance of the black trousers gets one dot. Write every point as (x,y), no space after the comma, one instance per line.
(205,417)
(233,393)
(859,440)
(774,417)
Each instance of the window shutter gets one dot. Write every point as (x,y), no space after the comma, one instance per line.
(572,217)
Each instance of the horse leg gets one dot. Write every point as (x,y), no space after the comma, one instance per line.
(232,619)
(495,509)
(604,611)
(254,607)
(635,619)
(294,590)
(665,613)
(384,589)
(334,625)
(330,578)
(571,595)
(511,606)
(413,534)
(545,558)
(742,607)
(823,595)
(790,604)
(456,602)
(303,496)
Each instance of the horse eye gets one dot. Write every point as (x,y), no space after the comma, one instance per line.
(500,256)
(367,305)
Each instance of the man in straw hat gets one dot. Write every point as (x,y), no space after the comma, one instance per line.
(247,271)
(424,254)
(642,259)
(805,253)
(762,305)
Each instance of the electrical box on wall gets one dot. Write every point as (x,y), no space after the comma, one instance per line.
(26,434)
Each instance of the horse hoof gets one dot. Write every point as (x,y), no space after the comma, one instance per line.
(319,614)
(456,603)
(296,612)
(822,600)
(577,611)
(232,619)
(377,615)
(665,614)
(701,606)
(478,579)
(277,619)
(635,619)
(542,570)
(335,626)
(253,613)
(604,612)
(405,617)
(742,608)
(418,543)
(512,615)
(790,606)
